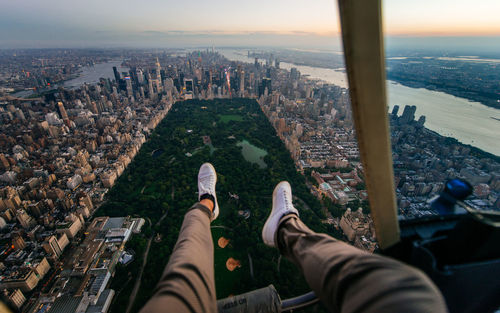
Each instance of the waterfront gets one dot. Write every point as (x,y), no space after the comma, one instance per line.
(334,76)
(87,74)
(92,74)
(468,121)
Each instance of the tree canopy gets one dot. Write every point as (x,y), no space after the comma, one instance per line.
(166,182)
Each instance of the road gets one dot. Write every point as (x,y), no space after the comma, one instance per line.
(306,206)
(251,265)
(221,226)
(139,277)
(145,259)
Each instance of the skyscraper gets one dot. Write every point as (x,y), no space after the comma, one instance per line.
(189,85)
(150,89)
(128,83)
(242,82)
(140,76)
(421,121)
(62,112)
(408,114)
(395,110)
(18,242)
(52,246)
(117,75)
(251,82)
(158,72)
(266,84)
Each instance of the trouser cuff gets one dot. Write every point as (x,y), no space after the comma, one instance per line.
(279,240)
(201,207)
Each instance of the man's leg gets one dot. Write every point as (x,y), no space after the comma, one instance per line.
(188,283)
(345,278)
(348,279)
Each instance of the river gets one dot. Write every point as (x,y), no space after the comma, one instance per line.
(469,122)
(92,74)
(87,74)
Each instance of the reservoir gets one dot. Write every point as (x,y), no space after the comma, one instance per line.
(253,153)
(467,121)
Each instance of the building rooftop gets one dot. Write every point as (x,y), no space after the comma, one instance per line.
(114,222)
(65,304)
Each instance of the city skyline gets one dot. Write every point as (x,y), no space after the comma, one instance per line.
(32,24)
(99,150)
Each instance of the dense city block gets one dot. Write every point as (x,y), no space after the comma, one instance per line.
(72,240)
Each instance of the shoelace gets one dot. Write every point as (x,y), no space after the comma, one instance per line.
(210,182)
(288,203)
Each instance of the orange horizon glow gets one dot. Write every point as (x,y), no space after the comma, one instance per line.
(392,32)
(223,21)
(440,29)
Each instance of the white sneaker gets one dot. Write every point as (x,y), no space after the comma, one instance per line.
(282,205)
(207,178)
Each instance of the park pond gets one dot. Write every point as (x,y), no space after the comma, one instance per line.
(253,153)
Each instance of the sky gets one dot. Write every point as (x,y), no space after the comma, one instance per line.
(167,23)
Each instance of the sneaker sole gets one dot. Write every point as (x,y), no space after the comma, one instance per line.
(272,219)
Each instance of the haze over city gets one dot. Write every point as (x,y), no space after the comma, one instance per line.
(35,24)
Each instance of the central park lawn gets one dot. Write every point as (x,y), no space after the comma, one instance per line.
(225,118)
(166,183)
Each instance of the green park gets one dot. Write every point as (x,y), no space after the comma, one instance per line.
(161,184)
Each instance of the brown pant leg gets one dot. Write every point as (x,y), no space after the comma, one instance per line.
(188,283)
(347,279)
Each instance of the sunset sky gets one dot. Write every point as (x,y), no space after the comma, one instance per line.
(62,23)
